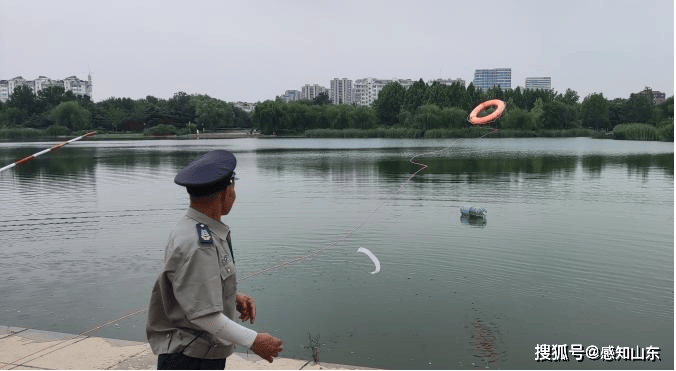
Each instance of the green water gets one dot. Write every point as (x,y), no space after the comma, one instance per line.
(577,247)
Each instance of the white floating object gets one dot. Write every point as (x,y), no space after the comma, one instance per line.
(373,258)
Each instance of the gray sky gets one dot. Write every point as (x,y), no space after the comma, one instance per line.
(255,50)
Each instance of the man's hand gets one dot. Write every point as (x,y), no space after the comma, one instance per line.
(266,346)
(247,307)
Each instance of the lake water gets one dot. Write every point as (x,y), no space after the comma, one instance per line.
(577,246)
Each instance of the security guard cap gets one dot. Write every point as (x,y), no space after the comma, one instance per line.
(210,173)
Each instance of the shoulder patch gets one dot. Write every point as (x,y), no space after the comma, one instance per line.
(203,233)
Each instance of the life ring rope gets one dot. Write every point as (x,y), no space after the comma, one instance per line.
(474,117)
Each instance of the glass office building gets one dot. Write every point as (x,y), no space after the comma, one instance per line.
(486,79)
(535,83)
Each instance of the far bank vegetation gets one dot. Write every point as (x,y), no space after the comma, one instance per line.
(421,111)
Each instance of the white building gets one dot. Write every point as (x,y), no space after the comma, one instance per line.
(72,83)
(544,83)
(245,106)
(341,91)
(310,92)
(366,90)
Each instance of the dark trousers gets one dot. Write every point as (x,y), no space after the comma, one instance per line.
(179,361)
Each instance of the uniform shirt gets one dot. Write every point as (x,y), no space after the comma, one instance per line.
(198,279)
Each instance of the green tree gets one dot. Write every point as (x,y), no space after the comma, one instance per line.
(454,117)
(594,112)
(321,99)
(639,109)
(71,115)
(23,99)
(438,94)
(415,96)
(389,103)
(664,112)
(362,118)
(50,97)
(557,115)
(212,113)
(428,117)
(517,118)
(570,97)
(181,107)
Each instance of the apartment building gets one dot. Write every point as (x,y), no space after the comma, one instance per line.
(341,91)
(72,83)
(366,90)
(310,92)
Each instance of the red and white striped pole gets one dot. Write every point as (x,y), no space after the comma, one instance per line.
(55,147)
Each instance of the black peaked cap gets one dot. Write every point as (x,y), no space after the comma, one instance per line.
(208,174)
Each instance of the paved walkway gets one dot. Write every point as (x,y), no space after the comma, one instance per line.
(26,349)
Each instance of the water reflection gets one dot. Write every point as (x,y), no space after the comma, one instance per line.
(390,165)
(473,221)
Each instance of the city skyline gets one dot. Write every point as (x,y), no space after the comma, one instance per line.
(253,51)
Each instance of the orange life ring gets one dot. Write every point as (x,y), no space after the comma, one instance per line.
(474,118)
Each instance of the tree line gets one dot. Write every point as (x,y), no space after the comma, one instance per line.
(424,107)
(416,110)
(55,111)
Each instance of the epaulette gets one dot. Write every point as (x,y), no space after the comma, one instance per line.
(204,234)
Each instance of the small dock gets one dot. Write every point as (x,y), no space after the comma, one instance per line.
(26,349)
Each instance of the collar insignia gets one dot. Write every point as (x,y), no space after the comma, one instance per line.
(204,234)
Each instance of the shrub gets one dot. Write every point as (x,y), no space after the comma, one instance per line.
(56,130)
(666,133)
(20,133)
(160,130)
(635,131)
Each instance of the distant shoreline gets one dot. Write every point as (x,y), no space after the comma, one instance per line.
(390,133)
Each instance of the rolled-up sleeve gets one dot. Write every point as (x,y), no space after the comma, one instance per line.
(197,284)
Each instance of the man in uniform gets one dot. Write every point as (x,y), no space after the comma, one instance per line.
(192,306)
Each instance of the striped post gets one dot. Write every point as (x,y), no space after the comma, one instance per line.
(53,148)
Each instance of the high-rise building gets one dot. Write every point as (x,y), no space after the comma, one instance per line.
(535,83)
(72,83)
(291,95)
(341,91)
(310,92)
(486,79)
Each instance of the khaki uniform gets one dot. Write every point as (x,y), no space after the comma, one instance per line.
(198,279)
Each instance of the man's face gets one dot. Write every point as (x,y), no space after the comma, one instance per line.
(228,199)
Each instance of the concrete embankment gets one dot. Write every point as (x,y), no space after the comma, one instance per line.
(26,349)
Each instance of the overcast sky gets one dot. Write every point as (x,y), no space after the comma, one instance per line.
(255,50)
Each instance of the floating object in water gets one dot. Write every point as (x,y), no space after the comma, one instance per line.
(478,212)
(372,257)
(473,221)
(475,119)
